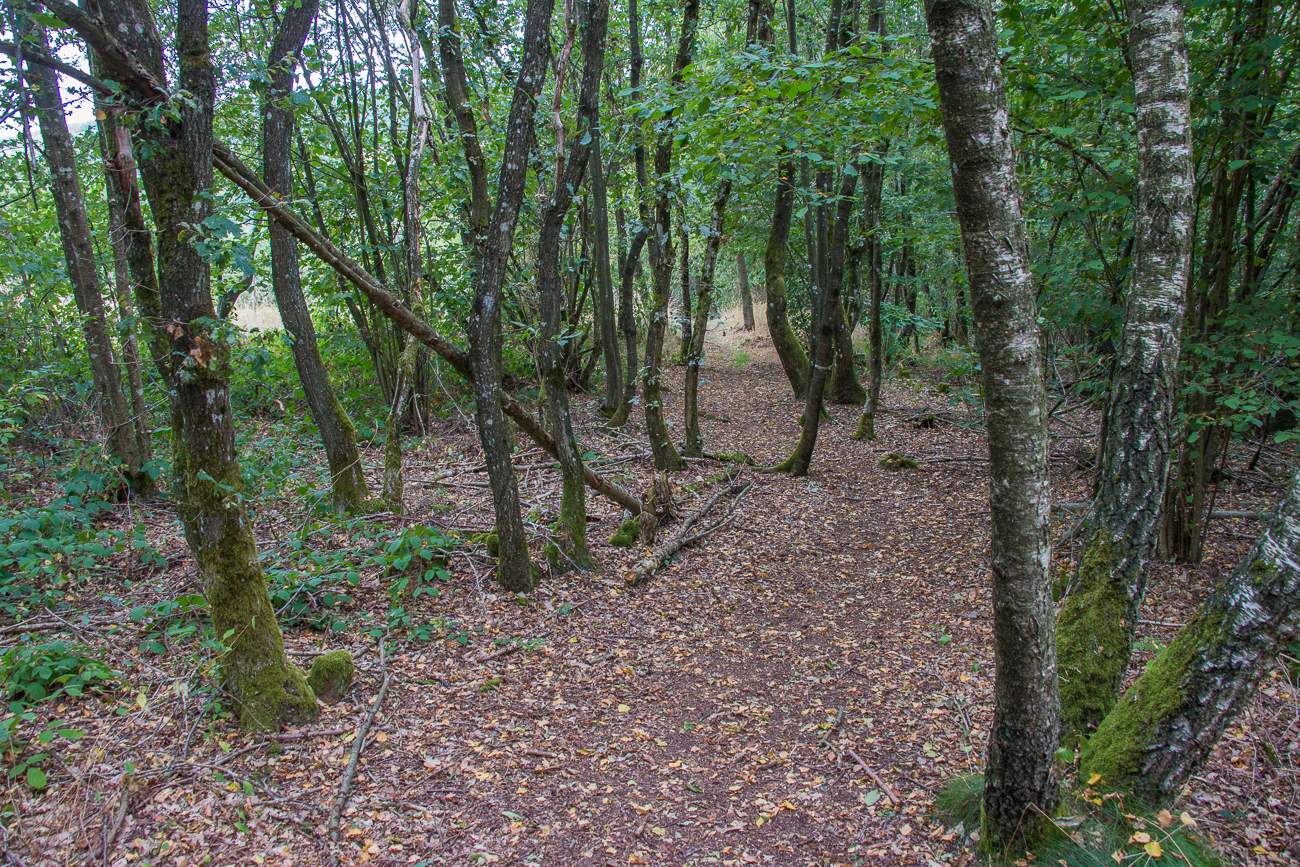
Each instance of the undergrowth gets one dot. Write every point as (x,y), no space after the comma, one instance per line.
(1092,828)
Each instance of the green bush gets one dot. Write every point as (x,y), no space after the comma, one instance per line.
(38,672)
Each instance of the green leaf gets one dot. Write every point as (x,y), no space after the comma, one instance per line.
(36,778)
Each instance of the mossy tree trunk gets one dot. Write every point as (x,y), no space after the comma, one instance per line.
(824,345)
(746,297)
(661,444)
(873,183)
(550,345)
(338,435)
(606,311)
(686,322)
(268,689)
(627,324)
(794,361)
(514,570)
(127,442)
(1097,624)
(1166,724)
(1020,788)
(694,446)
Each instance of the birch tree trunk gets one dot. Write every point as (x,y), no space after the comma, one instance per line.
(124,442)
(514,570)
(338,435)
(1099,619)
(1167,723)
(1020,788)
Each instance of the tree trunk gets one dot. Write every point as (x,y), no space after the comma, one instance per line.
(124,443)
(694,446)
(268,689)
(627,324)
(1167,723)
(606,316)
(873,184)
(1020,789)
(1099,619)
(514,570)
(338,435)
(685,350)
(661,444)
(824,344)
(794,361)
(550,351)
(746,298)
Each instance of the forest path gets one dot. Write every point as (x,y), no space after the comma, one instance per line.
(792,690)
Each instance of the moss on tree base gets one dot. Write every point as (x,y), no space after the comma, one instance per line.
(331,675)
(1092,640)
(626,534)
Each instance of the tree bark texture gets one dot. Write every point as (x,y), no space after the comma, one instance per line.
(794,361)
(1099,619)
(606,310)
(550,346)
(1166,724)
(694,446)
(873,183)
(746,296)
(338,435)
(1019,785)
(661,444)
(267,688)
(686,320)
(514,570)
(124,443)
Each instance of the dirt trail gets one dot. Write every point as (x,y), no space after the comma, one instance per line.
(791,691)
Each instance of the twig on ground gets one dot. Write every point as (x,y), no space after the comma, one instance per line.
(345,785)
(683,536)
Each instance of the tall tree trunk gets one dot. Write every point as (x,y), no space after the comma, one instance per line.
(824,344)
(873,184)
(338,435)
(685,351)
(1097,624)
(794,361)
(1167,722)
(627,323)
(661,444)
(606,311)
(694,446)
(514,570)
(1020,790)
(177,173)
(124,442)
(746,297)
(550,362)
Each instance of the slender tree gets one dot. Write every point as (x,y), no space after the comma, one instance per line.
(1019,785)
(746,296)
(338,435)
(606,309)
(694,446)
(1099,619)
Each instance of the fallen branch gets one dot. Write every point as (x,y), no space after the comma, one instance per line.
(345,786)
(684,536)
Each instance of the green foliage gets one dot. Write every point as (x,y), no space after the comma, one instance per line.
(171,622)
(34,672)
(626,534)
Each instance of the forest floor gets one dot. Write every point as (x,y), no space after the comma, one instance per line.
(792,690)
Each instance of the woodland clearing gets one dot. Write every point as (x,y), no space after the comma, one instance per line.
(792,689)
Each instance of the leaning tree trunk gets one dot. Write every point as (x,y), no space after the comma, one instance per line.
(1020,789)
(1167,723)
(338,435)
(685,350)
(1097,625)
(124,443)
(267,688)
(606,315)
(514,570)
(746,297)
(661,444)
(824,344)
(550,352)
(794,361)
(694,446)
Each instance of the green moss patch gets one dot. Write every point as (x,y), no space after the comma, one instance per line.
(331,675)
(626,534)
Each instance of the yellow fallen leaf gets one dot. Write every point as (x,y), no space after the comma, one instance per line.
(1118,857)
(1165,818)
(1186,818)
(622,708)
(1153,849)
(1094,779)
(1140,837)
(381,738)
